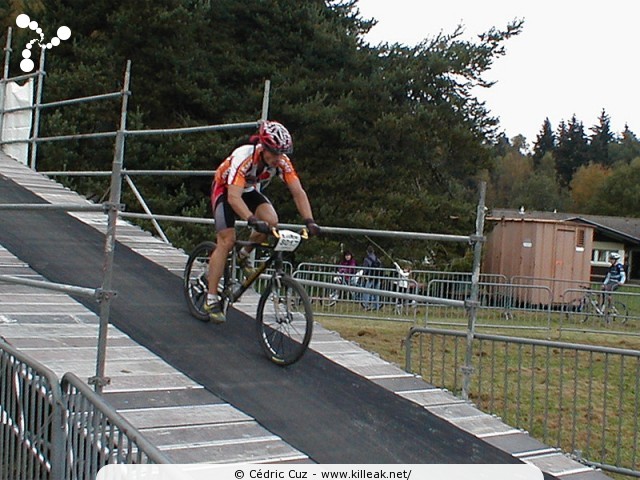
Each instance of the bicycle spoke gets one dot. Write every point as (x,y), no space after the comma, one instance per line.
(198,293)
(195,283)
(284,321)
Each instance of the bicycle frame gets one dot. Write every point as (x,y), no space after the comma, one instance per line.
(591,297)
(275,258)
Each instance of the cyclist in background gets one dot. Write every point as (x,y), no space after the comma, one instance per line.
(236,190)
(615,277)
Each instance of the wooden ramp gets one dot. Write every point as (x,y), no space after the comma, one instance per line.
(217,423)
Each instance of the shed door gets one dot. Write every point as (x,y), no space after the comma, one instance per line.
(565,252)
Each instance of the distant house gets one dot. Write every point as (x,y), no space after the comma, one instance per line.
(609,234)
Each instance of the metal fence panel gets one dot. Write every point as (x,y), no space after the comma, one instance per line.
(54,432)
(30,412)
(580,398)
(97,435)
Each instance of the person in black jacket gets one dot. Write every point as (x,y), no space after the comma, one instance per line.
(371,265)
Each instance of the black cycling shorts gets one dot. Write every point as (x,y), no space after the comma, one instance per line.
(224,215)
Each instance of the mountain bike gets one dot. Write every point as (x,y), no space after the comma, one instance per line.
(284,316)
(602,304)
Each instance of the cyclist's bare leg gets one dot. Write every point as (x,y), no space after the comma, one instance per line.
(266,213)
(608,297)
(224,243)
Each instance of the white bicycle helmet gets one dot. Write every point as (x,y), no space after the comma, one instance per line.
(275,137)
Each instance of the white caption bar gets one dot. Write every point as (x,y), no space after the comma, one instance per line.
(321,472)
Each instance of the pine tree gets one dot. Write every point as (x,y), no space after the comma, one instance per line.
(600,140)
(626,148)
(545,142)
(572,150)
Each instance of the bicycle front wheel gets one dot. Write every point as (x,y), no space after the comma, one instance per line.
(285,320)
(619,312)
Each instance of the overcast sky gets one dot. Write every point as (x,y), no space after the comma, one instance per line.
(572,57)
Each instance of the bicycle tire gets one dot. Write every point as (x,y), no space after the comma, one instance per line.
(195,279)
(284,320)
(589,310)
(621,312)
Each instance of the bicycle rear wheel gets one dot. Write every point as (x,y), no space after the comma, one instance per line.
(284,320)
(589,310)
(195,279)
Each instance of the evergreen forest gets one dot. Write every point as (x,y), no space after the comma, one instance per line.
(386,136)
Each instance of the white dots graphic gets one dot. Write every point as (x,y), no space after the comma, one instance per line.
(23,21)
(64,33)
(26,65)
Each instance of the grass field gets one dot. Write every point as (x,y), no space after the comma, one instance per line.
(567,398)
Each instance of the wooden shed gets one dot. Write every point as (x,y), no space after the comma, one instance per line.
(540,253)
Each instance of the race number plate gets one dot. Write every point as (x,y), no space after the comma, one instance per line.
(288,241)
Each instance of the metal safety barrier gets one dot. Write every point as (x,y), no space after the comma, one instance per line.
(31,427)
(97,436)
(53,430)
(583,399)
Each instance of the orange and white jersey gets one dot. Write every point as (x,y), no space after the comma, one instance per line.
(245,169)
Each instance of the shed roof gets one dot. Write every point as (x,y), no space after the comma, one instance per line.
(625,229)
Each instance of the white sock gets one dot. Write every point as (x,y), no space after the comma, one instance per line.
(211,298)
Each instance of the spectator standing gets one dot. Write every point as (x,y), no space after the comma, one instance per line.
(347,267)
(402,283)
(371,263)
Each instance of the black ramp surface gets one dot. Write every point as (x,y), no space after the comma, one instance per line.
(322,409)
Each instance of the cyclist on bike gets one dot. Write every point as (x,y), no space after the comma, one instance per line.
(615,275)
(236,190)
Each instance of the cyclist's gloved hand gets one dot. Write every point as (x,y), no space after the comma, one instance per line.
(312,226)
(260,226)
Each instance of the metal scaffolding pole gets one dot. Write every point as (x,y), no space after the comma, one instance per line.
(473,302)
(36,113)
(114,206)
